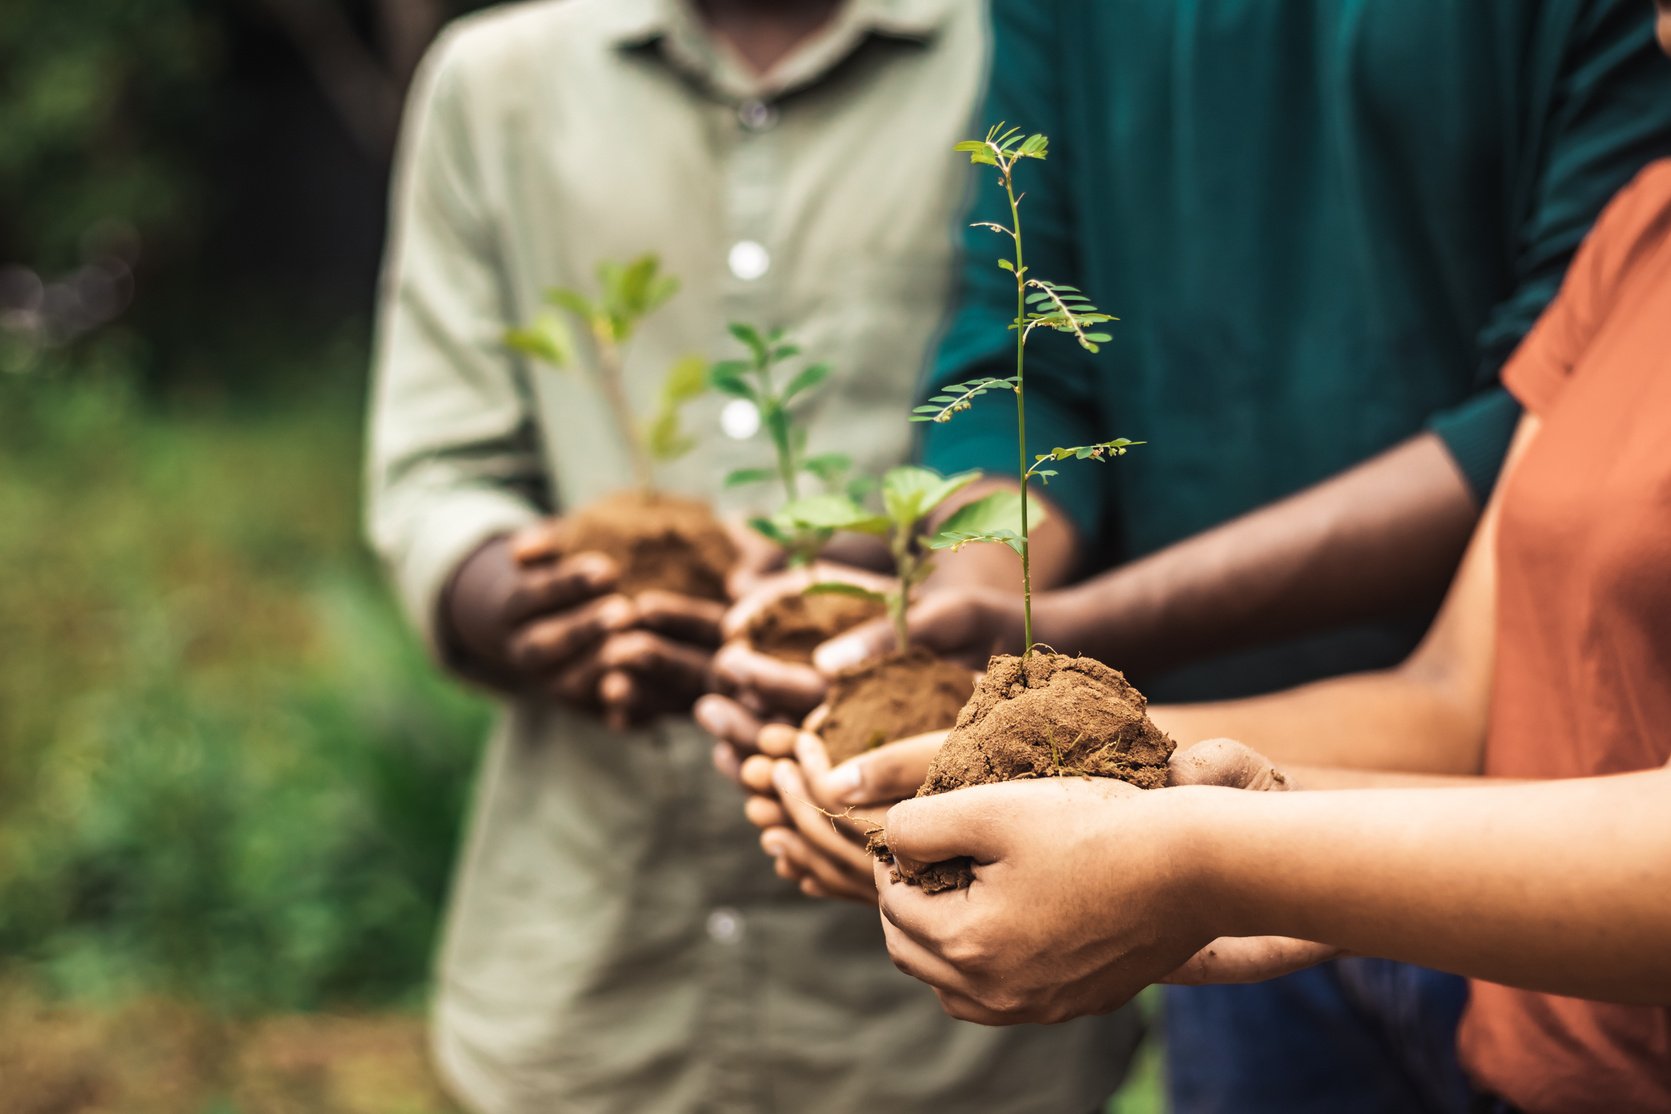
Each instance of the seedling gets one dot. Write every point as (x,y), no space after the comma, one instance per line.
(909,496)
(755,381)
(629,292)
(1039,304)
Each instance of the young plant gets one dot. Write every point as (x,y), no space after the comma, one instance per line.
(909,496)
(1039,304)
(754,380)
(628,293)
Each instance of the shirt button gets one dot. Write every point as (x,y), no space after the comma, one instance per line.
(748,260)
(740,419)
(725,925)
(756,115)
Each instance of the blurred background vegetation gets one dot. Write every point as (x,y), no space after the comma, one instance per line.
(230,785)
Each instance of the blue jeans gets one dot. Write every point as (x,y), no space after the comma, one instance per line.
(1363,1035)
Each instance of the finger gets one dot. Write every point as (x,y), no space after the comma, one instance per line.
(821,832)
(728,721)
(778,740)
(868,640)
(765,813)
(814,721)
(757,774)
(680,617)
(576,683)
(546,644)
(891,772)
(784,686)
(968,822)
(909,952)
(1233,959)
(809,864)
(671,665)
(726,761)
(545,541)
(558,587)
(756,559)
(620,699)
(1228,763)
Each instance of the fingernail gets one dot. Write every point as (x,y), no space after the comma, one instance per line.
(615,614)
(845,781)
(783,777)
(772,844)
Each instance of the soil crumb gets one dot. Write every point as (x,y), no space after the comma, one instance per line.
(659,541)
(793,626)
(1048,716)
(892,698)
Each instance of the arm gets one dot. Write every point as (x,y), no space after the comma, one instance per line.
(1556,887)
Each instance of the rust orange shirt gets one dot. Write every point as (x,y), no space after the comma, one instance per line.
(1583,669)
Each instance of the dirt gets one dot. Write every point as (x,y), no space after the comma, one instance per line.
(892,698)
(1048,716)
(792,626)
(659,541)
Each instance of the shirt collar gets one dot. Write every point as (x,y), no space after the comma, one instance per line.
(674,26)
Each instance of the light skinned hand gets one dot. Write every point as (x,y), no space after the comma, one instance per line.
(962,624)
(1055,925)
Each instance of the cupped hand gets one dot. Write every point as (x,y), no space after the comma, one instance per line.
(962,624)
(1083,895)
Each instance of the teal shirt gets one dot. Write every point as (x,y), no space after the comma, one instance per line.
(1324,224)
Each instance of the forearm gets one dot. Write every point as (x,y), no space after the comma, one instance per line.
(1391,720)
(1054,547)
(1380,539)
(1558,886)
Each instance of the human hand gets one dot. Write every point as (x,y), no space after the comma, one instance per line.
(1086,890)
(962,624)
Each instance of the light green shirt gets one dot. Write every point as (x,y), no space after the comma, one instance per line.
(616,940)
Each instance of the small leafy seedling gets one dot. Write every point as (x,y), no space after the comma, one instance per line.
(909,496)
(628,293)
(754,380)
(1039,304)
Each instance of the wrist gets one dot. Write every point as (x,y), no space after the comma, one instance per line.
(1208,836)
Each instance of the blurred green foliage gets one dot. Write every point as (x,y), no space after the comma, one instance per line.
(102,102)
(226,770)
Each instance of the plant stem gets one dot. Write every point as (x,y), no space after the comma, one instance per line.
(1021,413)
(905,564)
(612,371)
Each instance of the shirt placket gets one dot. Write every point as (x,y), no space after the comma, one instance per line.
(749,271)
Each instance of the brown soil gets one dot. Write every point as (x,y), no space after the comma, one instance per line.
(892,698)
(792,626)
(659,541)
(1048,716)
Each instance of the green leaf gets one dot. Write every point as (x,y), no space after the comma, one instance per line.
(828,467)
(769,530)
(546,339)
(955,540)
(808,378)
(991,515)
(752,340)
(687,379)
(837,588)
(833,512)
(743,476)
(1008,265)
(730,377)
(574,302)
(910,493)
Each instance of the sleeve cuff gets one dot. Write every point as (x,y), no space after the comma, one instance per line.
(1478,433)
(446,535)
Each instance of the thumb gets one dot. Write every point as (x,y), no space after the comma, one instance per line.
(1227,763)
(891,772)
(958,824)
(867,640)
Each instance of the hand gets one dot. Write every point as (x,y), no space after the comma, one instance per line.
(1231,959)
(532,615)
(819,823)
(963,624)
(1085,892)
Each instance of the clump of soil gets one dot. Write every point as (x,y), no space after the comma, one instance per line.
(792,626)
(659,541)
(892,698)
(1049,715)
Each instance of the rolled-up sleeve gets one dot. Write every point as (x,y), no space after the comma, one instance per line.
(453,455)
